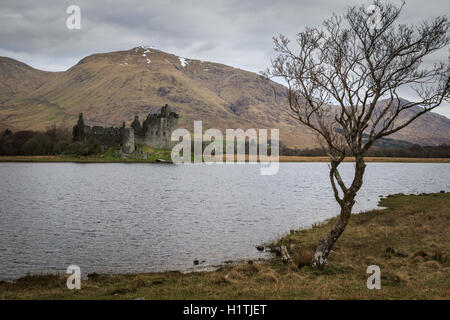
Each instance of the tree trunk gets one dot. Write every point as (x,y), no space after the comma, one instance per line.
(320,259)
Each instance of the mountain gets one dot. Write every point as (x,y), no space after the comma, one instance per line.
(112,87)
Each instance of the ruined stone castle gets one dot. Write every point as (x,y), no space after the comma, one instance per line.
(154,132)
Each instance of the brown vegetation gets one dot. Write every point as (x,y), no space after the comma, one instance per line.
(108,91)
(409,241)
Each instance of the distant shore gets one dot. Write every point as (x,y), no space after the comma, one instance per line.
(409,241)
(97,159)
(82,159)
(367,159)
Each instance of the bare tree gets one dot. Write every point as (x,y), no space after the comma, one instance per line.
(343,82)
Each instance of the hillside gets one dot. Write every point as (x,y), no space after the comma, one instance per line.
(112,87)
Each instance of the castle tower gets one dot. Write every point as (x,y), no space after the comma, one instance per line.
(165,111)
(80,119)
(128,140)
(136,125)
(78,129)
(158,128)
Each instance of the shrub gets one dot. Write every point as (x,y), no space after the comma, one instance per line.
(78,148)
(93,146)
(303,257)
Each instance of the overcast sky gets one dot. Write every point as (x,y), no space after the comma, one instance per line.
(233,32)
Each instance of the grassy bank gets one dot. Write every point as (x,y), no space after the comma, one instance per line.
(409,241)
(106,157)
(165,155)
(367,159)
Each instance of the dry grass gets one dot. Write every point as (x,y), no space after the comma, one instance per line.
(106,157)
(302,257)
(409,241)
(282,159)
(367,159)
(347,159)
(30,158)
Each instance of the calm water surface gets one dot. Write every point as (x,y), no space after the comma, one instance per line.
(113,218)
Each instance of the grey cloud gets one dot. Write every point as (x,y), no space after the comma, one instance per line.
(234,32)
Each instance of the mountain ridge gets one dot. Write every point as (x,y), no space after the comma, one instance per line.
(112,87)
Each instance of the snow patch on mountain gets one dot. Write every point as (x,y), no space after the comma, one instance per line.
(183,62)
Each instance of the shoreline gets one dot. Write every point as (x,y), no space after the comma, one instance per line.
(293,159)
(366,159)
(62,159)
(408,239)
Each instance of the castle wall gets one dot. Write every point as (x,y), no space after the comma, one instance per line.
(128,142)
(154,133)
(158,132)
(108,137)
(139,140)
